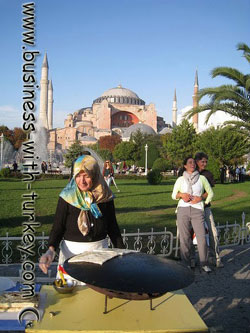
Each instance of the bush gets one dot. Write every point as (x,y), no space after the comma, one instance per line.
(160,164)
(5,172)
(130,176)
(16,174)
(154,177)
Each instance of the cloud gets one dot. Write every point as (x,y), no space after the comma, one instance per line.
(10,116)
(8,108)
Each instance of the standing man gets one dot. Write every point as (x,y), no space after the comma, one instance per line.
(222,174)
(237,172)
(201,161)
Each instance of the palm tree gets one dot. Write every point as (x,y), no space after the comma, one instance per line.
(232,99)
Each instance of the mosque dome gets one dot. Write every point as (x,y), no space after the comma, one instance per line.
(145,129)
(120,95)
(165,130)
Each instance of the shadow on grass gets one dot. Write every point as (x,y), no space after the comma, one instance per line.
(232,214)
(10,180)
(48,188)
(139,209)
(165,183)
(158,223)
(9,224)
(140,194)
(15,189)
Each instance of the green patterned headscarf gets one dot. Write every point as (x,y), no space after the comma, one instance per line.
(88,200)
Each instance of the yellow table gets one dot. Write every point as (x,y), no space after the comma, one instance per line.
(82,311)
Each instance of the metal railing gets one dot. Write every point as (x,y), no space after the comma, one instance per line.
(162,243)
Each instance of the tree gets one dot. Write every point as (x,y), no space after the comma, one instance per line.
(74,151)
(124,151)
(164,138)
(181,143)
(140,140)
(109,142)
(232,99)
(16,137)
(137,139)
(19,136)
(8,134)
(161,164)
(153,154)
(225,145)
(105,154)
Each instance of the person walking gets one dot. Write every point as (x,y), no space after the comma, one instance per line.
(201,160)
(189,191)
(15,166)
(243,173)
(108,172)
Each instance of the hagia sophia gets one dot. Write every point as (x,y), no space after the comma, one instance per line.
(117,111)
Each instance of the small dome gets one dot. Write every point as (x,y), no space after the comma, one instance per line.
(166,130)
(120,95)
(145,129)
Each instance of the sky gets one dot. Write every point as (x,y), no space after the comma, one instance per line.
(151,47)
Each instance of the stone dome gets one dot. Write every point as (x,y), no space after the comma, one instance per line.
(145,129)
(166,130)
(120,95)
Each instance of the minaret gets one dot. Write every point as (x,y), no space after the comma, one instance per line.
(174,109)
(195,101)
(43,115)
(50,105)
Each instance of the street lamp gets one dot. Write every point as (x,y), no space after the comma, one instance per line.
(1,137)
(146,159)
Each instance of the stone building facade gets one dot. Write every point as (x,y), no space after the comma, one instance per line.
(113,112)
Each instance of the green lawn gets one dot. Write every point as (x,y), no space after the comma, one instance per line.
(138,205)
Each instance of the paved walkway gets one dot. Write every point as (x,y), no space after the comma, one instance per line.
(222,297)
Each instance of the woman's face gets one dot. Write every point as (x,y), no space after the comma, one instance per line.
(190,165)
(83,181)
(202,164)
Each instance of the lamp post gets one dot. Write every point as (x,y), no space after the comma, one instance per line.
(146,159)
(1,137)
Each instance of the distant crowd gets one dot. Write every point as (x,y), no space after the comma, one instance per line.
(232,175)
(227,174)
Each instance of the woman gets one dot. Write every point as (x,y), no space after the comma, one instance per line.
(108,172)
(189,189)
(85,215)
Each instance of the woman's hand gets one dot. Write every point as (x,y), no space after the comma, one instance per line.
(46,259)
(184,196)
(195,199)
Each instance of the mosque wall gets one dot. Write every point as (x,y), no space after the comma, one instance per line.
(103,115)
(117,108)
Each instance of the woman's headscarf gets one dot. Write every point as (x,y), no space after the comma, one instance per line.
(88,200)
